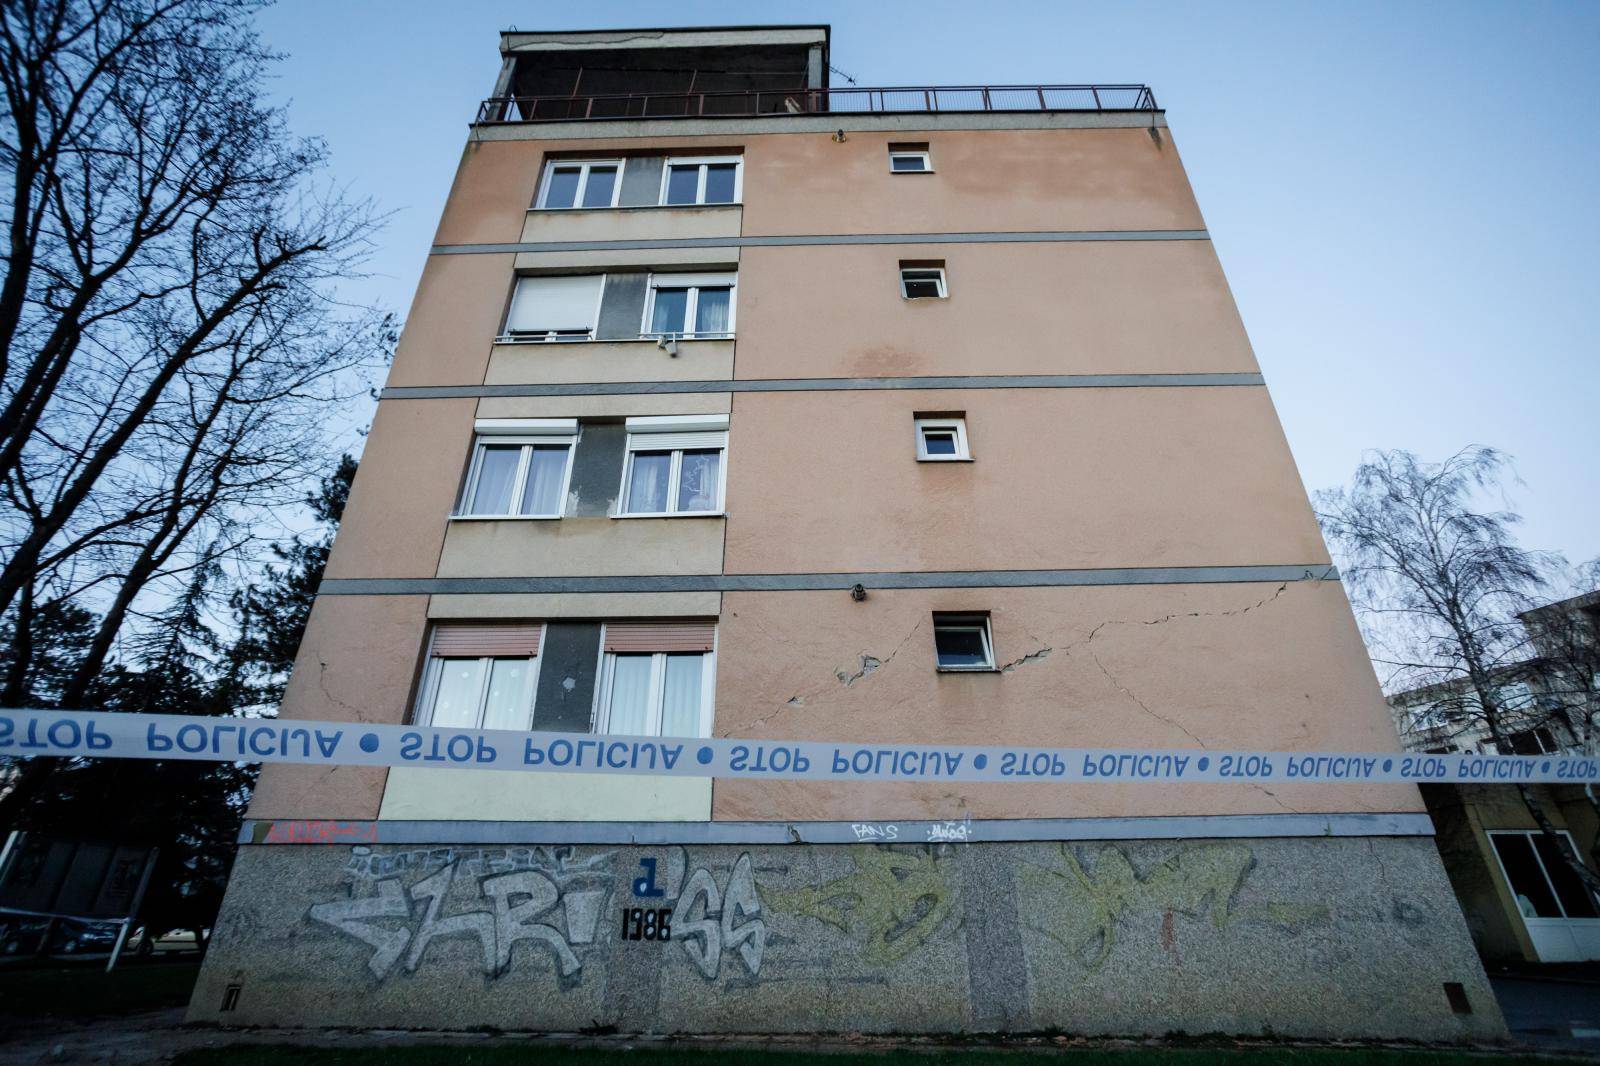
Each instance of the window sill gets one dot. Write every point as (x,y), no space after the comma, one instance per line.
(967,669)
(506,517)
(919,299)
(909,173)
(674,514)
(627,207)
(944,459)
(506,338)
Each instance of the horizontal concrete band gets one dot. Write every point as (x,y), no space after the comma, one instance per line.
(1184,827)
(905,122)
(960,381)
(931,579)
(780,241)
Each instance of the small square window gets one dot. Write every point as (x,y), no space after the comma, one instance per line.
(910,159)
(962,642)
(942,439)
(922,281)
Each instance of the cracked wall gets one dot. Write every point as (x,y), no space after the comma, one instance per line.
(1158,666)
(356,664)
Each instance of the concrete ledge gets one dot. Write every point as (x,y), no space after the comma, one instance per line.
(973,579)
(692,243)
(963,381)
(1185,827)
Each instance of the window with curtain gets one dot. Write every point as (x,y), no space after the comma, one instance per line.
(657,679)
(674,470)
(554,308)
(515,475)
(702,180)
(581,183)
(480,676)
(690,305)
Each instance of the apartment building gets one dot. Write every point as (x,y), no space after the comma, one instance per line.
(1521,901)
(733,403)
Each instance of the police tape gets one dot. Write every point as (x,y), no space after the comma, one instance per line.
(110,735)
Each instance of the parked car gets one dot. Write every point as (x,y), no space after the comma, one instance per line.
(150,942)
(22,935)
(74,937)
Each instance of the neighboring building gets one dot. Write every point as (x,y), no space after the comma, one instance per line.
(1521,901)
(1447,717)
(703,343)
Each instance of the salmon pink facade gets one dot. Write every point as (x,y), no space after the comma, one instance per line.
(703,343)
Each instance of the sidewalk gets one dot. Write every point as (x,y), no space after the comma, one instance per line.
(158,1036)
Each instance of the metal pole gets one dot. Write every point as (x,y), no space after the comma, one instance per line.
(116,949)
(133,909)
(5,852)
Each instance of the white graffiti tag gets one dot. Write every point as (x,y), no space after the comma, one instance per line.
(709,922)
(516,900)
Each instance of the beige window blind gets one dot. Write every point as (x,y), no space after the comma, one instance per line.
(457,641)
(660,636)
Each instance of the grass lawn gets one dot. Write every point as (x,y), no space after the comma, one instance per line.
(457,1055)
(87,991)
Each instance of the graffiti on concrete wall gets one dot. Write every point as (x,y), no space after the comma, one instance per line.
(894,900)
(516,903)
(564,909)
(1081,909)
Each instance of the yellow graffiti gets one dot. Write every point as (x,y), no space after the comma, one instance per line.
(1081,912)
(895,900)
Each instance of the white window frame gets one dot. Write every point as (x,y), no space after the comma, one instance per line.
(525,432)
(1549,881)
(958,425)
(702,161)
(957,621)
(584,166)
(428,691)
(551,336)
(944,290)
(649,434)
(601,714)
(1534,731)
(693,283)
(911,153)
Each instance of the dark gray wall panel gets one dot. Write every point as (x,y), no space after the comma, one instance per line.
(622,307)
(568,662)
(641,181)
(597,468)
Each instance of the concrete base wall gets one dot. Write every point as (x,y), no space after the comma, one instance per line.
(1333,937)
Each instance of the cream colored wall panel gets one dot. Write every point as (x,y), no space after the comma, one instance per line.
(578,605)
(604,361)
(632,223)
(619,406)
(427,794)
(583,547)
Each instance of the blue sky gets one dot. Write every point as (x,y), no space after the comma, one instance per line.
(1404,195)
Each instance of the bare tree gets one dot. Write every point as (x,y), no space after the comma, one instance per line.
(1565,637)
(172,348)
(1438,585)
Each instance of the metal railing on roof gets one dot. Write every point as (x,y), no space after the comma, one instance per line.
(849,101)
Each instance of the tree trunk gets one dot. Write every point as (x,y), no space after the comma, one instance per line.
(1590,880)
